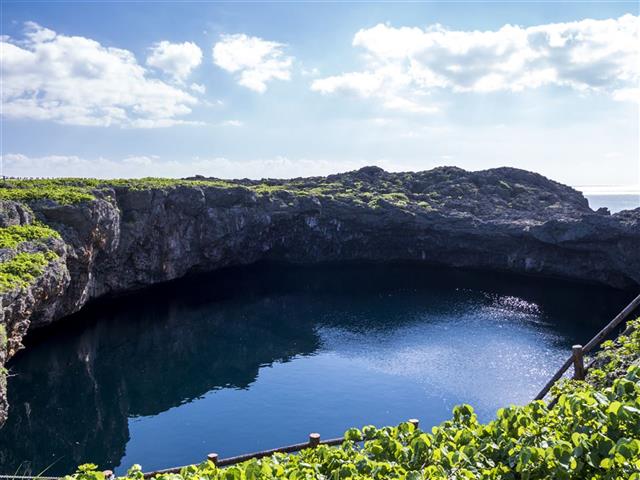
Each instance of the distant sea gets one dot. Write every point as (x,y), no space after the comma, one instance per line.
(614,203)
(614,197)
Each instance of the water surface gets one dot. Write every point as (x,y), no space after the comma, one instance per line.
(614,202)
(254,358)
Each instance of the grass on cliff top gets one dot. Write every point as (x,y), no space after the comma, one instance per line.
(428,191)
(593,432)
(64,195)
(11,237)
(345,189)
(68,191)
(23,269)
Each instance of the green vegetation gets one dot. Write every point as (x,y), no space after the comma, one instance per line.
(440,189)
(11,237)
(268,189)
(345,188)
(62,195)
(150,182)
(395,198)
(63,191)
(68,191)
(23,269)
(3,341)
(593,432)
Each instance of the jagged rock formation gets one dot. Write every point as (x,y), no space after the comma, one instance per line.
(132,235)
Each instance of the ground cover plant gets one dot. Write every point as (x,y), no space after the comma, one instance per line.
(592,432)
(23,269)
(68,191)
(14,235)
(25,254)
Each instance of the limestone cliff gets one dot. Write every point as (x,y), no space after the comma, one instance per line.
(126,235)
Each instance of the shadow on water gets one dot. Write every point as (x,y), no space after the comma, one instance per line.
(81,386)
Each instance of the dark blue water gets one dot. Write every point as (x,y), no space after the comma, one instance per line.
(258,357)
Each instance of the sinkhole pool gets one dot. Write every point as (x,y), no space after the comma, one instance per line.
(257,357)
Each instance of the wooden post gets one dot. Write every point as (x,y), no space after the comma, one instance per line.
(578,362)
(314,440)
(415,422)
(213,457)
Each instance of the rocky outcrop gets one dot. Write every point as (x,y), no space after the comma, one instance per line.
(501,219)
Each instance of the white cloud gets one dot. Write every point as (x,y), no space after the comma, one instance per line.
(232,123)
(254,60)
(19,165)
(175,59)
(310,72)
(405,64)
(77,81)
(404,104)
(627,94)
(38,34)
(198,88)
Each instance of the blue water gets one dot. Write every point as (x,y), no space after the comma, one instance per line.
(255,358)
(615,203)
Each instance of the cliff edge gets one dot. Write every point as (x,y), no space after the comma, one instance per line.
(64,242)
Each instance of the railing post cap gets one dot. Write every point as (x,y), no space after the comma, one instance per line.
(576,347)
(213,457)
(314,439)
(108,474)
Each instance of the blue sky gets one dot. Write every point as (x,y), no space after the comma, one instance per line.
(118,89)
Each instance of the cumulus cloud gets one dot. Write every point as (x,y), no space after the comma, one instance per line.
(175,59)
(77,81)
(255,61)
(405,64)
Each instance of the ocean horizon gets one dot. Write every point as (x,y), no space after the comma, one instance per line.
(615,203)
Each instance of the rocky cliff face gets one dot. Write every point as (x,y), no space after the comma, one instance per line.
(130,236)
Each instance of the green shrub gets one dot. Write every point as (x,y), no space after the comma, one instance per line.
(67,191)
(11,237)
(395,198)
(23,269)
(62,191)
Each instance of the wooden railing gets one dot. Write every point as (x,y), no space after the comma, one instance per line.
(578,351)
(313,442)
